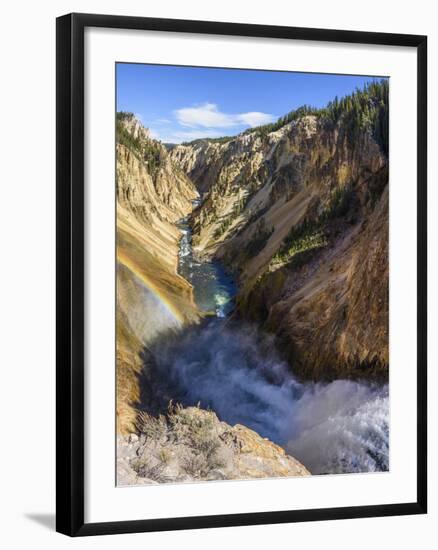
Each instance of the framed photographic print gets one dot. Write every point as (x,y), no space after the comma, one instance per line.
(241,274)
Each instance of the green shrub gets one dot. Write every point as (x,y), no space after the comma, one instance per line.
(223,226)
(310,234)
(146,150)
(126,138)
(338,205)
(366,109)
(291,249)
(199,141)
(259,239)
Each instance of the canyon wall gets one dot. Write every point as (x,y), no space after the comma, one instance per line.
(152,194)
(300,214)
(186,444)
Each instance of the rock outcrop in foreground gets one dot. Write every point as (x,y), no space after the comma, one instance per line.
(191,444)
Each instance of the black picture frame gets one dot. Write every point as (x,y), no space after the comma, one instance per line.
(70,273)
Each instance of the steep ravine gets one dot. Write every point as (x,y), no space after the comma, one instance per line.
(253,293)
(300,215)
(155,306)
(233,368)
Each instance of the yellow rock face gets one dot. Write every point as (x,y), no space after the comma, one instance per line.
(148,205)
(328,305)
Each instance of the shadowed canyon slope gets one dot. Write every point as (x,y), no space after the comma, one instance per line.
(299,212)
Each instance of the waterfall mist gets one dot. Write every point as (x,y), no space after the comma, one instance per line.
(337,427)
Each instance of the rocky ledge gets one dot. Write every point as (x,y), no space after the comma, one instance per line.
(191,444)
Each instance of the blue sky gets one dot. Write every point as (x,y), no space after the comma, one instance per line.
(185,103)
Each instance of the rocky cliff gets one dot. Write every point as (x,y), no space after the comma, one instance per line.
(299,211)
(152,194)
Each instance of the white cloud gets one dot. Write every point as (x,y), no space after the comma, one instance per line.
(204,121)
(255,118)
(208,115)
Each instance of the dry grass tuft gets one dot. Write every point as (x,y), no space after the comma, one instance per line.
(152,427)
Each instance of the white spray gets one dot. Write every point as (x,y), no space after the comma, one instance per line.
(337,427)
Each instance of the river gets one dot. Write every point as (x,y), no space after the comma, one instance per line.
(234,369)
(213,288)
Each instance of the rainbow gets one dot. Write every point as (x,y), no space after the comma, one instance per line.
(151,286)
